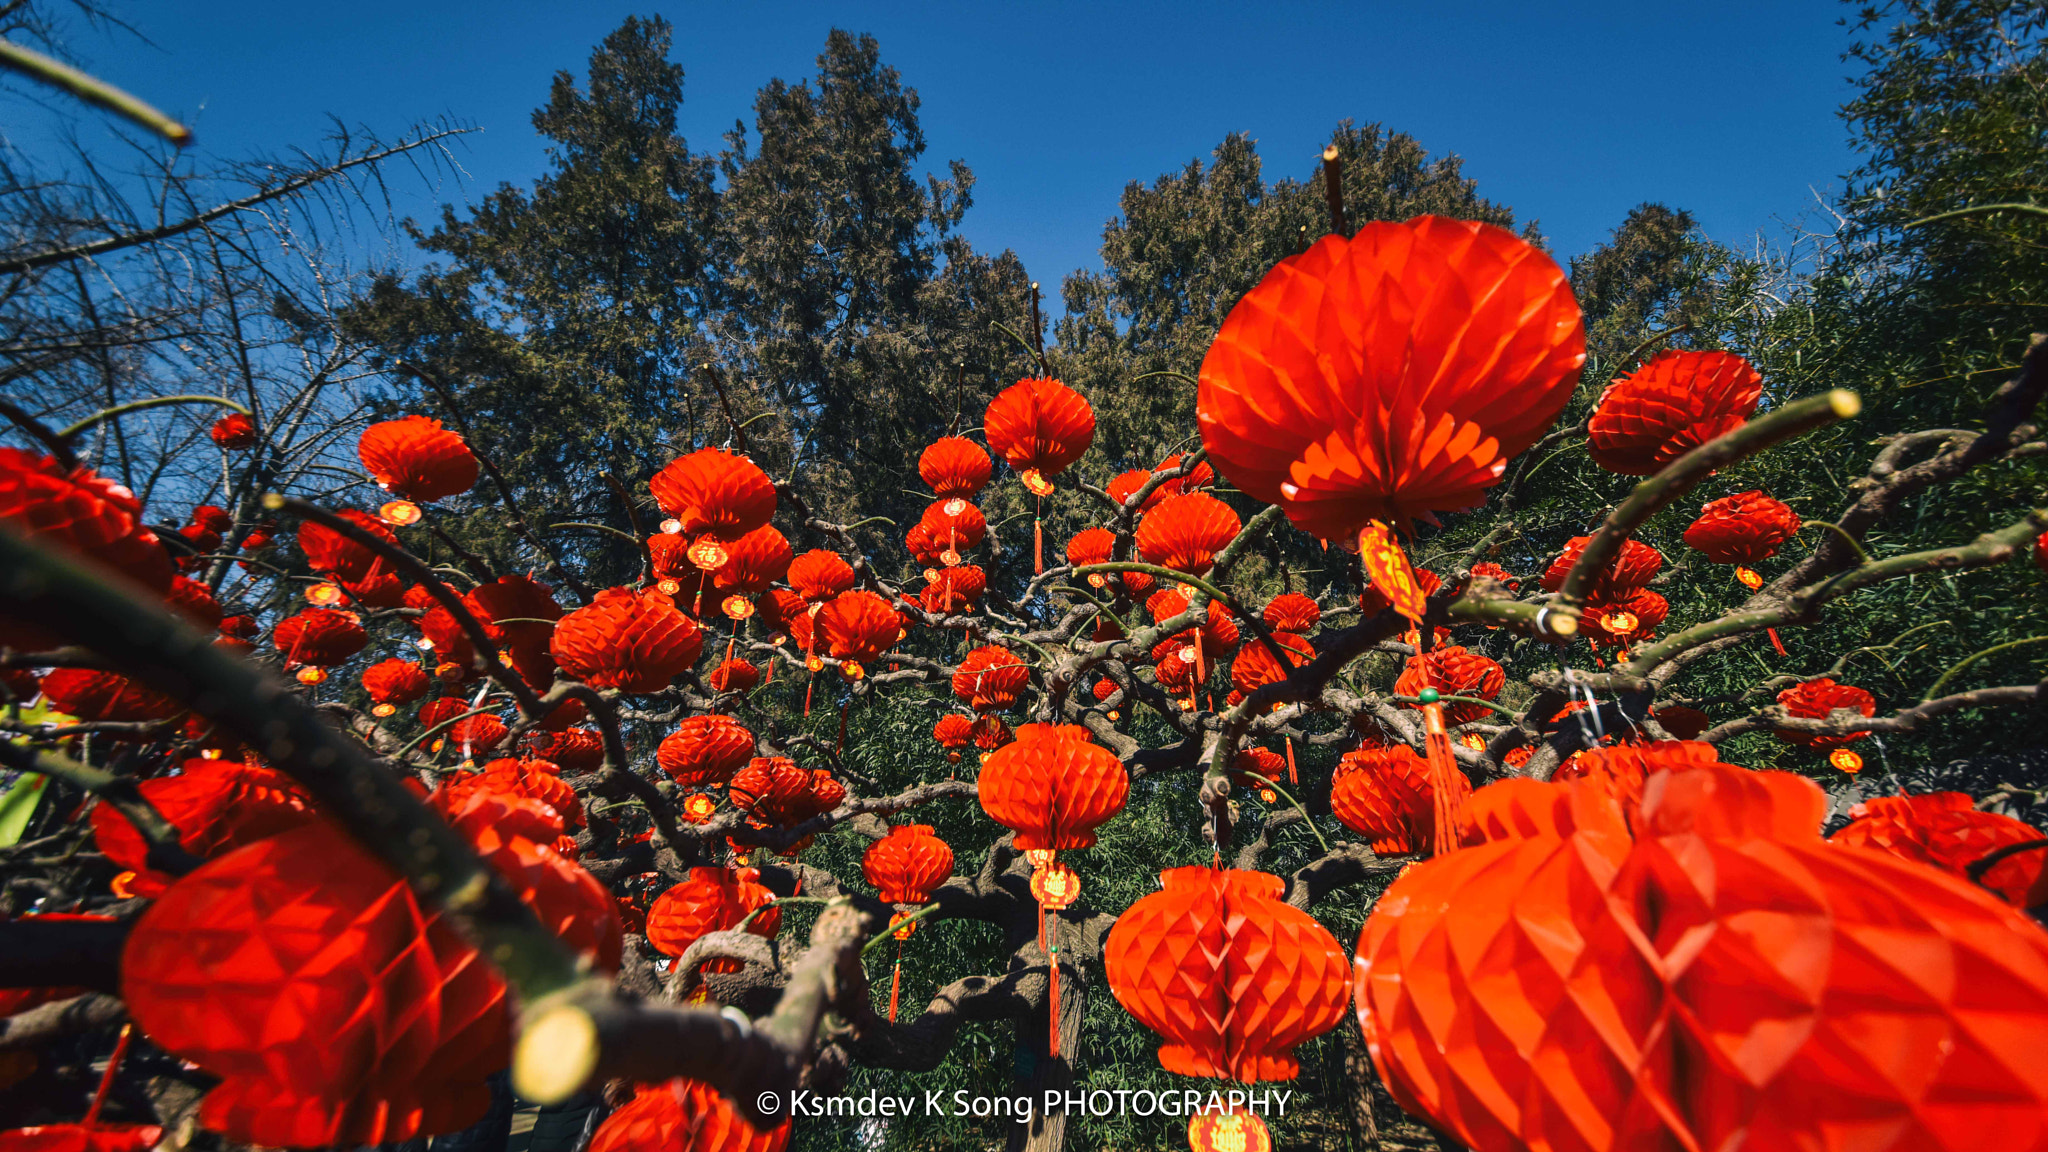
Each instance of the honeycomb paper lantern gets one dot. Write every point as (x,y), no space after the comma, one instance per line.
(628,640)
(908,864)
(1700,970)
(1384,794)
(1946,830)
(683,1116)
(705,750)
(1230,976)
(85,513)
(1746,528)
(216,805)
(819,575)
(1039,426)
(1454,671)
(1636,565)
(711,900)
(1186,532)
(414,458)
(1668,407)
(773,790)
(990,678)
(955,467)
(1817,700)
(1052,786)
(1293,612)
(712,492)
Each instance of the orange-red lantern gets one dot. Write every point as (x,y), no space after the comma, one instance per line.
(1815,700)
(1636,565)
(1385,794)
(322,637)
(1608,623)
(705,750)
(234,432)
(1228,1132)
(773,790)
(216,805)
(86,514)
(1255,666)
(1229,975)
(990,678)
(1453,671)
(1946,830)
(954,590)
(955,466)
(753,562)
(628,640)
(337,1009)
(90,694)
(715,498)
(415,458)
(857,627)
(819,575)
(711,900)
(953,732)
(1746,528)
(1335,390)
(574,749)
(1668,407)
(908,864)
(1292,612)
(734,675)
(330,552)
(683,1116)
(1186,532)
(1702,971)
(532,607)
(951,527)
(1052,786)
(1039,426)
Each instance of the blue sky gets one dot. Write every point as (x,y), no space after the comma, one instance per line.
(1570,113)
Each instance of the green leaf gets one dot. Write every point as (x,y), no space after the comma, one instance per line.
(18,805)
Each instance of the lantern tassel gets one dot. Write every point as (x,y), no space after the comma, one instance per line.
(99,1098)
(1437,739)
(896,982)
(1290,761)
(808,686)
(1052,959)
(1037,547)
(1775,642)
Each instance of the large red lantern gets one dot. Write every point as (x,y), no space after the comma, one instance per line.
(754,561)
(1945,829)
(715,498)
(990,678)
(414,458)
(705,750)
(1335,390)
(330,552)
(628,640)
(1039,426)
(1386,795)
(337,1009)
(216,805)
(908,864)
(532,608)
(953,590)
(1746,528)
(1668,407)
(955,467)
(857,627)
(1255,666)
(1454,671)
(683,1116)
(87,514)
(1187,532)
(1815,700)
(1232,977)
(950,528)
(1052,786)
(1700,971)
(90,694)
(711,900)
(320,637)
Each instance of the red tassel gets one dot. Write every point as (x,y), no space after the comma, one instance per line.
(732,642)
(1052,959)
(1777,643)
(1437,739)
(99,1098)
(1037,547)
(1041,927)
(896,982)
(1290,761)
(808,685)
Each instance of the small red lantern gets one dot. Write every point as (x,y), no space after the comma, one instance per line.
(705,750)
(234,432)
(819,575)
(990,678)
(711,900)
(1052,786)
(1292,612)
(1228,1132)
(1669,406)
(908,864)
(955,467)
(1815,700)
(1039,426)
(683,1116)
(417,459)
(631,641)
(1186,532)
(715,498)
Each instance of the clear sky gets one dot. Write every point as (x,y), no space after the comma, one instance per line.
(1570,113)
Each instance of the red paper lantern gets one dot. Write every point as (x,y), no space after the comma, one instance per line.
(950,527)
(1636,565)
(330,552)
(1946,830)
(1453,671)
(216,805)
(1052,786)
(1040,426)
(1335,390)
(1186,532)
(233,432)
(953,732)
(1668,407)
(705,750)
(1292,612)
(575,750)
(1091,546)
(521,598)
(711,900)
(474,734)
(773,791)
(1230,976)
(1260,761)
(1814,700)
(753,562)
(90,694)
(819,575)
(955,467)
(734,675)
(1126,484)
(954,590)
(194,601)
(990,678)
(1700,971)
(337,1009)
(713,493)
(1384,794)
(80,1138)
(683,1116)
(857,627)
(908,864)
(1219,633)
(82,512)
(1746,528)
(1255,666)
(1626,621)
(631,641)
(413,457)
(322,637)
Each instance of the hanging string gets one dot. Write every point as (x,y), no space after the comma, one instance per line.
(1290,760)
(99,1098)
(1775,642)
